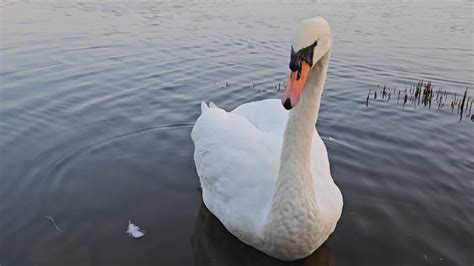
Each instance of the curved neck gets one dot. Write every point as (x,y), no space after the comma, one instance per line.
(295,159)
(296,149)
(294,186)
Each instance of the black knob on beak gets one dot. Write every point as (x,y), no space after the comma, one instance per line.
(294,65)
(287,104)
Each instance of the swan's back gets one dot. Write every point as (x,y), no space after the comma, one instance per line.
(268,116)
(237,164)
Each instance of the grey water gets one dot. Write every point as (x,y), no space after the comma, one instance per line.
(97,101)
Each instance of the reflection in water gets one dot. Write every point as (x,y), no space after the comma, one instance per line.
(212,245)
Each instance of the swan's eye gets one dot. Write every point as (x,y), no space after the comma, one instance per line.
(305,54)
(294,61)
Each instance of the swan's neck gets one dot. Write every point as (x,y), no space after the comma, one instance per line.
(295,160)
(294,196)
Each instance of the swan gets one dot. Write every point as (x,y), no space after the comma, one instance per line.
(264,170)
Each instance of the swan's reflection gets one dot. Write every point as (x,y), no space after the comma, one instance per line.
(212,244)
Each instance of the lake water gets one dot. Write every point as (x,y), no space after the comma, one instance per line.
(98,101)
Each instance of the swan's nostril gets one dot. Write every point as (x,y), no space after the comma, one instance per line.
(287,104)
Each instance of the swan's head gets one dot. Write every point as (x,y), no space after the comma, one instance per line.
(313,40)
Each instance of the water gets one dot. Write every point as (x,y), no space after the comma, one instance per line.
(98,101)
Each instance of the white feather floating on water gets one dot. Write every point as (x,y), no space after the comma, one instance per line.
(134,230)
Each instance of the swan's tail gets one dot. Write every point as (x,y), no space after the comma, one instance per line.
(204,107)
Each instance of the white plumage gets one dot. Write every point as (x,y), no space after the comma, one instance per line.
(266,191)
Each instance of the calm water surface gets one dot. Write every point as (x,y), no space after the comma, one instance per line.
(98,101)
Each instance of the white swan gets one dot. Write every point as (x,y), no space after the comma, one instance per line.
(264,171)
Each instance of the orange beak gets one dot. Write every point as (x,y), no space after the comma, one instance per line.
(292,93)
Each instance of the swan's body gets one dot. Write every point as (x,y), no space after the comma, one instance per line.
(265,172)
